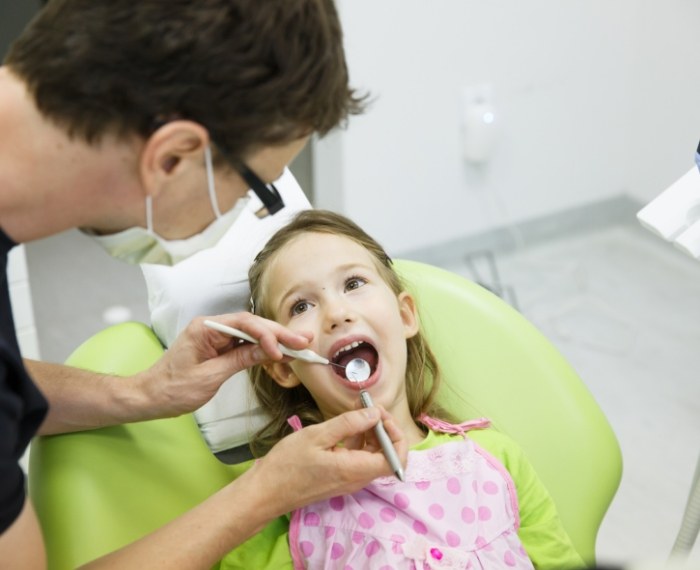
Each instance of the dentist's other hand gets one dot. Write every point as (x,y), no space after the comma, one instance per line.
(326,460)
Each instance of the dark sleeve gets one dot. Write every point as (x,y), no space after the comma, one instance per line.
(22,406)
(12,488)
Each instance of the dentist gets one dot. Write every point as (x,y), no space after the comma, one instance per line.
(143,124)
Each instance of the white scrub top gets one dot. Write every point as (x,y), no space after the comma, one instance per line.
(212,282)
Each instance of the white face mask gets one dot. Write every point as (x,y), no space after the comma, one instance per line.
(143,245)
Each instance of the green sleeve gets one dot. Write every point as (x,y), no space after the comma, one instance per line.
(267,550)
(541,531)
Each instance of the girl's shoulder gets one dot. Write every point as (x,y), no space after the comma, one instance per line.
(499,445)
(491,439)
(495,443)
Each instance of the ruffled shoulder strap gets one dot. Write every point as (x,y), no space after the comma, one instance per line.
(295,422)
(432,423)
(447,427)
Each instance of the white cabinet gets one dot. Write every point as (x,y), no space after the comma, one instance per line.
(20,296)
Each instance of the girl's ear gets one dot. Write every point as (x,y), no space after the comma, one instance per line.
(409,313)
(282,373)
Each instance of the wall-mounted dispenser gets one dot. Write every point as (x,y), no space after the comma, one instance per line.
(480,124)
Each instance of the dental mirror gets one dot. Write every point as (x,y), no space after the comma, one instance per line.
(357,370)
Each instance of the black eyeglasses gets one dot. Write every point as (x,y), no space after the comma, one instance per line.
(268,194)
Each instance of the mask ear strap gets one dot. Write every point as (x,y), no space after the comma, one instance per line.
(210,181)
(149,214)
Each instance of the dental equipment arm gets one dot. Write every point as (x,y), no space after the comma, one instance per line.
(674,215)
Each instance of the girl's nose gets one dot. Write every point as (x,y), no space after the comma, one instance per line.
(338,314)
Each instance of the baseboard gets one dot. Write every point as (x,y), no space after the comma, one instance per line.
(589,217)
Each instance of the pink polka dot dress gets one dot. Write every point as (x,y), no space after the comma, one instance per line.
(457,509)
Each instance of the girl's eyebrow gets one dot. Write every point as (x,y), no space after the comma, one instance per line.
(291,291)
(295,286)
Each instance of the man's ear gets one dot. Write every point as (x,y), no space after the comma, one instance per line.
(409,313)
(282,373)
(170,150)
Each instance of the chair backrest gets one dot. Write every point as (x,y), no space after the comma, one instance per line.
(495,363)
(99,490)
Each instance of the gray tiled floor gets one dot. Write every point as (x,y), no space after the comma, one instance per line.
(73,283)
(622,306)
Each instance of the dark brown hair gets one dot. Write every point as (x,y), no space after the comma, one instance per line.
(253,72)
(422,372)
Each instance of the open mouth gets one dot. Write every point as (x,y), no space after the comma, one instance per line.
(356,349)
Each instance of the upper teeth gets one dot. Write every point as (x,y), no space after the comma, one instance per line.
(347,347)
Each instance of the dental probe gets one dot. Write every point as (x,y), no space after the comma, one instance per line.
(307,355)
(358,370)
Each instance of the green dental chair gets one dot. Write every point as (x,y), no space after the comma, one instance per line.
(99,490)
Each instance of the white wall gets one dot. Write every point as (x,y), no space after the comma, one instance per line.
(664,126)
(594,99)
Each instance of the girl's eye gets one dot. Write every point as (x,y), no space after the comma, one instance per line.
(354,283)
(299,307)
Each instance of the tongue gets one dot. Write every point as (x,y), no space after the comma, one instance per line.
(365,352)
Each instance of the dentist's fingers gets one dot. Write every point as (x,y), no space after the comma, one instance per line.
(201,359)
(311,464)
(267,333)
(366,440)
(395,435)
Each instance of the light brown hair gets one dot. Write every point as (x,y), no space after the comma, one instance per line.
(422,372)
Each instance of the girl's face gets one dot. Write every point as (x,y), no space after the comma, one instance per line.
(331,286)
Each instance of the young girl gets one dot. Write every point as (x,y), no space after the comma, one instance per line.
(470,499)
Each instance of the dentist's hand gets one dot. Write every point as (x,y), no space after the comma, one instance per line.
(201,359)
(326,460)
